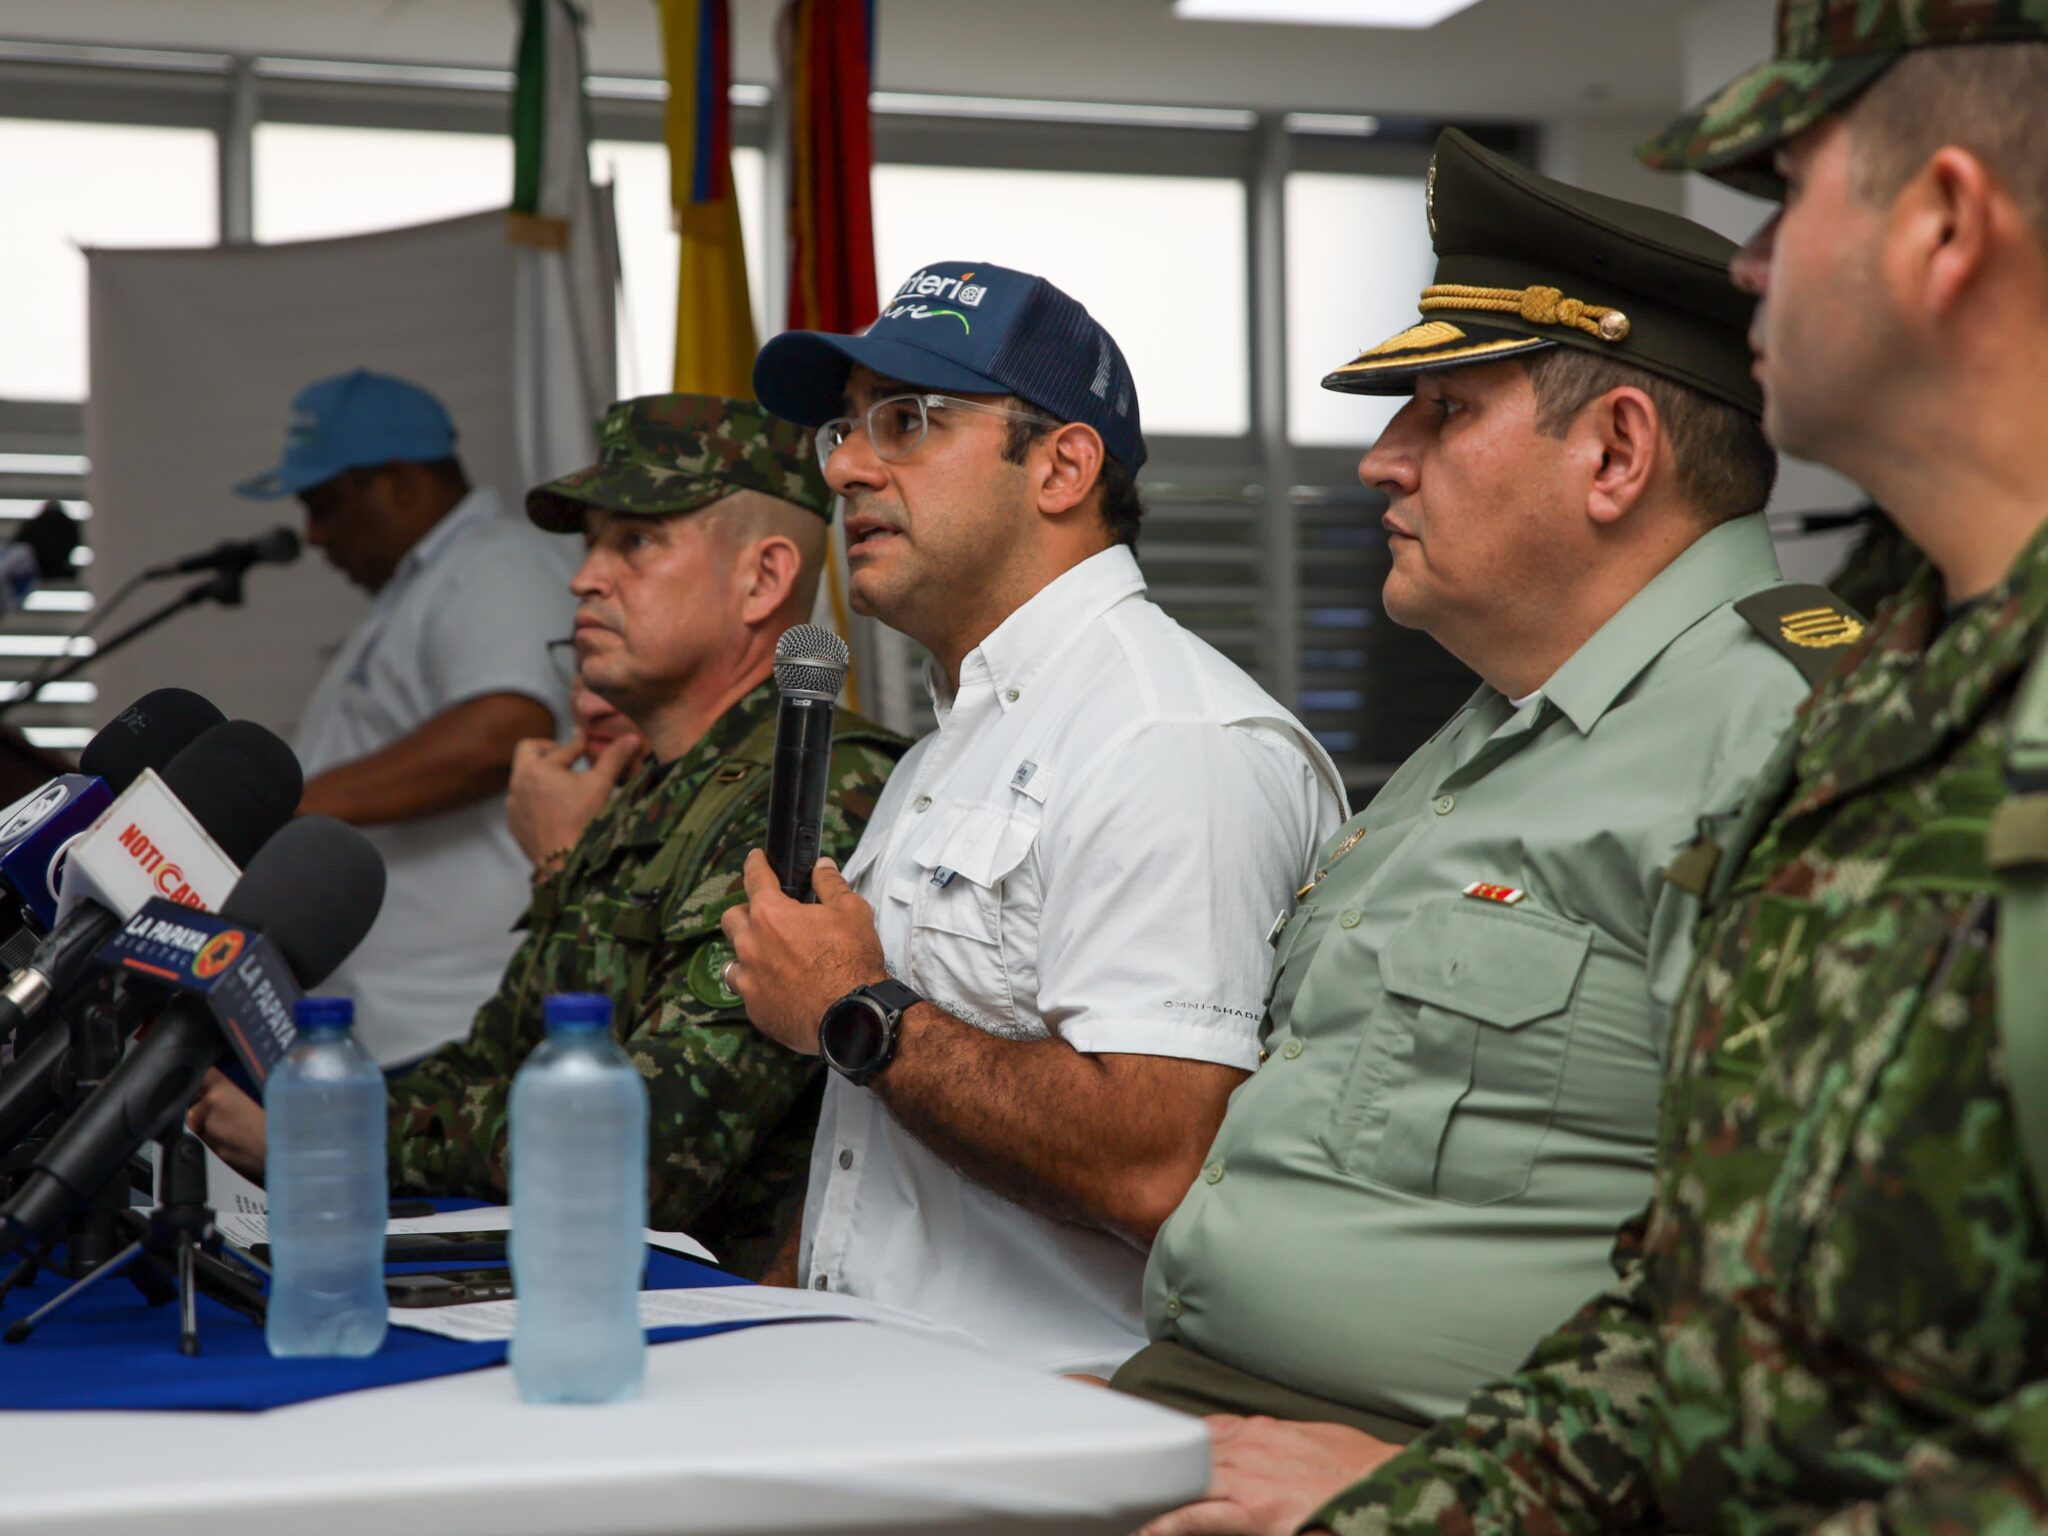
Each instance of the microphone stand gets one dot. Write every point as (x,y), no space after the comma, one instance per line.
(176,1250)
(223,586)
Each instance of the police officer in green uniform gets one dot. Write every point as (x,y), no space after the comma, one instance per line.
(1830,1318)
(1470,1002)
(704,523)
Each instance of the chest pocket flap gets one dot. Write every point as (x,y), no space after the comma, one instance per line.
(961,861)
(1498,965)
(1472,1087)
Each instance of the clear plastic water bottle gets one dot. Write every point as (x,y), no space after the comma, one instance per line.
(324,1119)
(579,1211)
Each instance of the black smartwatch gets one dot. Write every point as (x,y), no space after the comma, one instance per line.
(857,1036)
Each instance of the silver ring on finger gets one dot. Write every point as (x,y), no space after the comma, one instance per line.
(725,977)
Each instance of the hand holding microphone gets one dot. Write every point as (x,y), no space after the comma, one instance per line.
(810,666)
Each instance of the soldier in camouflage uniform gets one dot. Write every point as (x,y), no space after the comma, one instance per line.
(1831,1318)
(633,908)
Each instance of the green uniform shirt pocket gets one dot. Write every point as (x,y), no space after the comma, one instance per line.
(1478,1015)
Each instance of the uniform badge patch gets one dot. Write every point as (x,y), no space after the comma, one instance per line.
(1821,629)
(706,975)
(1485,890)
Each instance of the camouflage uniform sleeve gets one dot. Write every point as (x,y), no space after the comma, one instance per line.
(1559,1447)
(1989,1474)
(716,1086)
(447,1115)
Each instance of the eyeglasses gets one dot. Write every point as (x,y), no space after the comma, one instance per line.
(562,657)
(898,424)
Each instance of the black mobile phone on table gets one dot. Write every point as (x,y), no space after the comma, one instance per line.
(428,1248)
(449,1288)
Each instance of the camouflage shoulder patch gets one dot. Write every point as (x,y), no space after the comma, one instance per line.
(1808,625)
(705,975)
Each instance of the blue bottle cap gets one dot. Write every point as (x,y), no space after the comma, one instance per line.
(325,1013)
(578,1013)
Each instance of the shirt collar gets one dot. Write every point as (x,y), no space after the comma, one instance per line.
(1727,562)
(478,506)
(1018,649)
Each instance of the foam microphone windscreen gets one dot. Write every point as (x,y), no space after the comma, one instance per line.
(51,536)
(240,782)
(314,890)
(147,734)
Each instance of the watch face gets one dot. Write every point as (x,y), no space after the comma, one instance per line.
(853,1036)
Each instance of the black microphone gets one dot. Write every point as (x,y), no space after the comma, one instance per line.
(280,546)
(313,891)
(239,782)
(810,664)
(147,734)
(40,828)
(40,552)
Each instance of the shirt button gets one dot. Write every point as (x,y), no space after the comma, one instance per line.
(1012,695)
(1173,1306)
(1214,1172)
(1291,1049)
(1444,804)
(821,1284)
(1350,919)
(921,804)
(846,1157)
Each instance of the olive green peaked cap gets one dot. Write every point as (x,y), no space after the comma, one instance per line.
(661,455)
(1828,52)
(1525,263)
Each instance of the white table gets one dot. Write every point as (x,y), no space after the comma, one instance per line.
(811,1427)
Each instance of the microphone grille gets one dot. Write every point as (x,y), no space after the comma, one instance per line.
(811,662)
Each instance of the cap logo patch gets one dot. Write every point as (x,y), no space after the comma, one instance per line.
(1431,333)
(1429,196)
(954,290)
(1820,629)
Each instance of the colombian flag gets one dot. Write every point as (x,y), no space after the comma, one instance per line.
(715,343)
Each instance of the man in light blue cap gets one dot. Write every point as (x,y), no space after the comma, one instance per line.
(411,731)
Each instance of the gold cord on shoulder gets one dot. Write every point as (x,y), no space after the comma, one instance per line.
(1537,305)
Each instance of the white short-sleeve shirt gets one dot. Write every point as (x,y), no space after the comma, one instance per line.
(1091,845)
(469,612)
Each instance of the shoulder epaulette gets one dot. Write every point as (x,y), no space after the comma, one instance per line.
(1808,625)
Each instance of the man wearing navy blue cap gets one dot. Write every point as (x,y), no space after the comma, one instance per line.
(1041,974)
(410,732)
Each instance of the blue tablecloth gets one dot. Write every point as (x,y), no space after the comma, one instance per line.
(111,1349)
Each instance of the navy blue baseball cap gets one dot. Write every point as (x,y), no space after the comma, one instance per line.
(355,420)
(967,328)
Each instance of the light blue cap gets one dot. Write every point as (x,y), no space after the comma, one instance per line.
(356,420)
(325,1013)
(577,1012)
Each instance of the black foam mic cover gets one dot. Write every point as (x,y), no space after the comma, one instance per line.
(240,782)
(147,734)
(51,536)
(313,890)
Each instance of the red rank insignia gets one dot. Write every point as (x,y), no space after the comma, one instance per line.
(1484,890)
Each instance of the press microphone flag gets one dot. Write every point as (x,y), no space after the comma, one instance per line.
(810,665)
(182,835)
(39,829)
(310,895)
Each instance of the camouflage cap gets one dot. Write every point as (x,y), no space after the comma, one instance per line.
(1829,51)
(661,455)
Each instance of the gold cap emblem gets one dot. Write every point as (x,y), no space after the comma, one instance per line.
(1820,629)
(1429,196)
